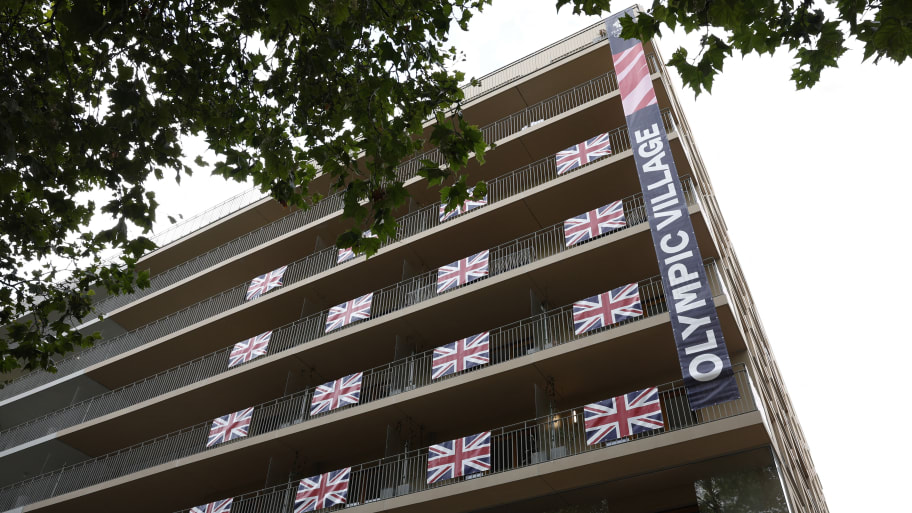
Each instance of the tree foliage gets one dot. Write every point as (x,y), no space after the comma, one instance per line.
(817,35)
(751,490)
(100,95)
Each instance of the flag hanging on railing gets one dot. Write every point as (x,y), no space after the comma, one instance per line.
(705,364)
(583,153)
(229,427)
(222,506)
(469,204)
(594,223)
(460,457)
(461,355)
(346,254)
(264,283)
(337,393)
(348,312)
(322,491)
(625,415)
(249,349)
(606,309)
(462,271)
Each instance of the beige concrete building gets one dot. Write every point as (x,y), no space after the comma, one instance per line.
(126,424)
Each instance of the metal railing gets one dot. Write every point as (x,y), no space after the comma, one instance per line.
(503,258)
(488,83)
(208,216)
(556,105)
(330,205)
(230,249)
(506,343)
(531,63)
(493,132)
(546,438)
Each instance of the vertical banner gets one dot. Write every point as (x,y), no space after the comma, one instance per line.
(705,364)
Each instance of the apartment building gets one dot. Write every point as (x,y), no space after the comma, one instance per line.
(516,354)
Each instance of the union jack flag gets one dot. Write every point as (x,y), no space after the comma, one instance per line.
(249,349)
(222,506)
(624,415)
(594,223)
(229,427)
(606,309)
(349,312)
(460,355)
(462,208)
(322,491)
(583,153)
(265,282)
(634,80)
(336,393)
(462,271)
(346,254)
(460,457)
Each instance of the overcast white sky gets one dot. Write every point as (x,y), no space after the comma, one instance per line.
(814,186)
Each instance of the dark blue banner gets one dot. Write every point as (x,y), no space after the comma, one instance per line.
(705,364)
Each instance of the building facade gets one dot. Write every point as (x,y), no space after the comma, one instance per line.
(515,354)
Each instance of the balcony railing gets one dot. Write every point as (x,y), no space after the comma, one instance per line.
(540,440)
(531,63)
(507,185)
(493,132)
(556,105)
(503,258)
(509,342)
(208,216)
(564,48)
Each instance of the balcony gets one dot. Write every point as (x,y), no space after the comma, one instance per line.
(549,448)
(577,45)
(514,341)
(506,186)
(553,53)
(494,132)
(210,215)
(542,440)
(503,259)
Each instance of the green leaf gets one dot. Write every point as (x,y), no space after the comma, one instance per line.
(101,97)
